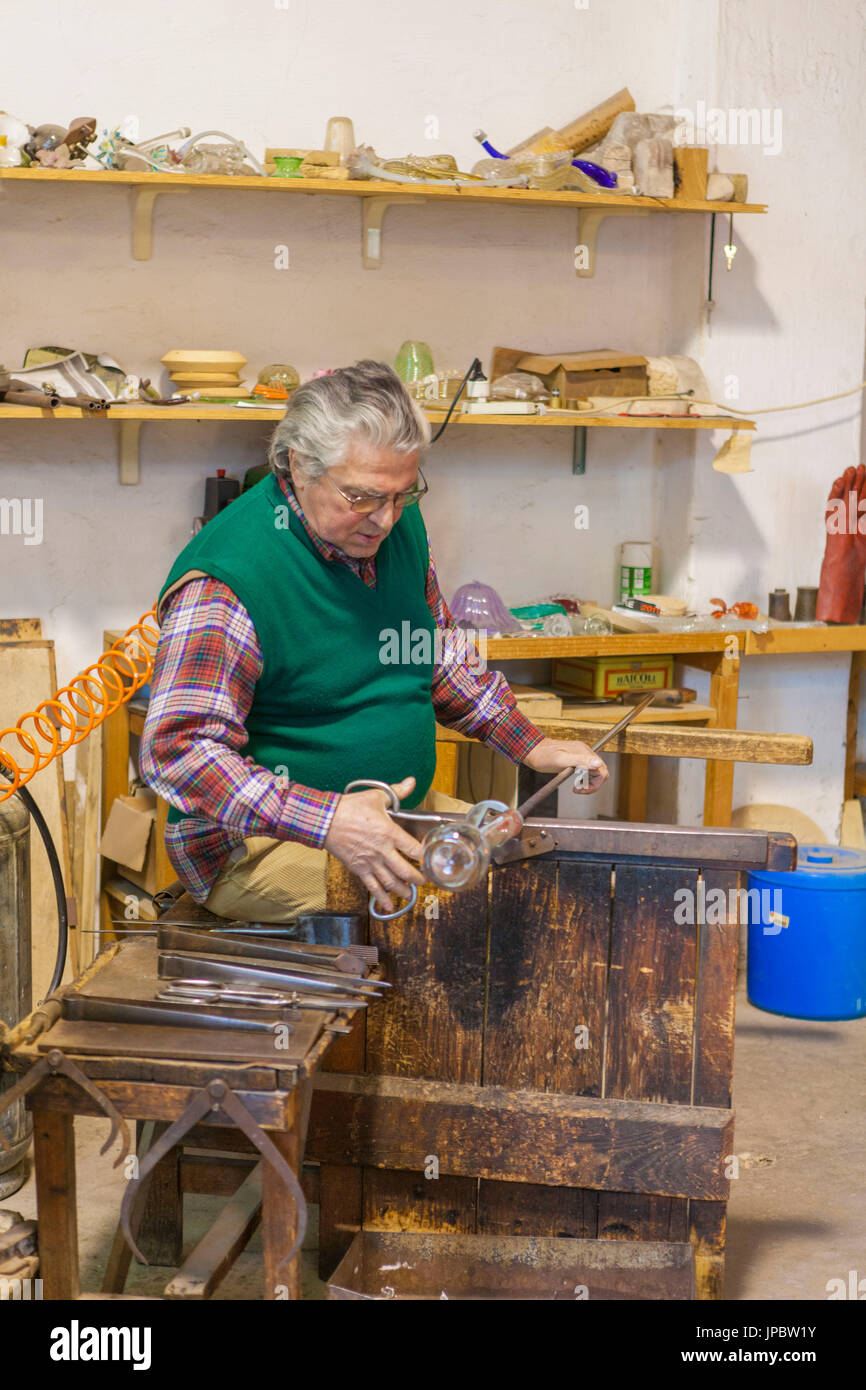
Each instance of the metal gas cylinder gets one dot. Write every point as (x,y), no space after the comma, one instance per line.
(15,986)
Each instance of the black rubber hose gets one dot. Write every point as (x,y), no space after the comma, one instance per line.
(57,875)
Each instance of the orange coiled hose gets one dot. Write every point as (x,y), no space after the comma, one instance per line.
(77,709)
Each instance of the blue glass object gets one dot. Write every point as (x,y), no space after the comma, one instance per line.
(593,171)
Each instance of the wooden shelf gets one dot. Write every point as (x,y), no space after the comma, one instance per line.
(611,644)
(165,414)
(375,188)
(782,641)
(376,196)
(776,642)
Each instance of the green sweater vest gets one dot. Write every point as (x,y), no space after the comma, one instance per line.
(331,705)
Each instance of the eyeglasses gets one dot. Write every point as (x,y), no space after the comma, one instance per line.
(365,503)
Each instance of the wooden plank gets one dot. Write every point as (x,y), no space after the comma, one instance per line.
(54,1165)
(20,629)
(661,739)
(650,1027)
(160,1232)
(429,1025)
(139,1100)
(279,1213)
(84,809)
(707,1221)
(554,1211)
(522,1136)
(28,677)
(858,665)
(651,1009)
(466,194)
(407,1201)
(445,777)
(611,644)
(782,641)
(716,989)
(714,1058)
(719,784)
(208,1263)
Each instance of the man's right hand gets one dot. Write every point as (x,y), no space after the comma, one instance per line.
(364,838)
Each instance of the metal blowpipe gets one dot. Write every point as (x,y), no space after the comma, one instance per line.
(567,772)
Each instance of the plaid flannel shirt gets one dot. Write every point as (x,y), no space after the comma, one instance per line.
(207,664)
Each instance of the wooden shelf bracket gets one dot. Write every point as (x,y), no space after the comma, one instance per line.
(143,200)
(372,215)
(588,223)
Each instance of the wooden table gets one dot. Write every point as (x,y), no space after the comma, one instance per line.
(156,1090)
(720,654)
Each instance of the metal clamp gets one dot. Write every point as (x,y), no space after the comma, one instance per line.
(54,1064)
(394,806)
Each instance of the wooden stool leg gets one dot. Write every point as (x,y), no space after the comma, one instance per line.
(160,1235)
(279,1217)
(54,1163)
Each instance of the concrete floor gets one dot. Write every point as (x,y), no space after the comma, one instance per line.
(796,1217)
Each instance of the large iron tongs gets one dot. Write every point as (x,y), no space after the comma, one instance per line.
(217,1095)
(55,1063)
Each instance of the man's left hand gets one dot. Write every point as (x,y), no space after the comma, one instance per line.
(554,754)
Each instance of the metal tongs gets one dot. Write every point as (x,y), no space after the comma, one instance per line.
(457,853)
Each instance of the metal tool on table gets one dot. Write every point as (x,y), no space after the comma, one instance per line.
(213,992)
(283,974)
(331,963)
(217,1096)
(179,1011)
(458,852)
(300,992)
(347,960)
(54,1063)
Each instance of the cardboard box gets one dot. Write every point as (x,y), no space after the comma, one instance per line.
(129,838)
(601,677)
(598,372)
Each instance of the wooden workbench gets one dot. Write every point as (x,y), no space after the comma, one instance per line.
(150,1074)
(719,653)
(555,1058)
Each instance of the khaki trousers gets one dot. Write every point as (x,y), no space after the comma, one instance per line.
(268,880)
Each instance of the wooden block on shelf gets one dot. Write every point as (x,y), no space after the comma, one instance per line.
(741,187)
(536,703)
(690,163)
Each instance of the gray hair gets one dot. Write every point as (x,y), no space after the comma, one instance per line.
(325,415)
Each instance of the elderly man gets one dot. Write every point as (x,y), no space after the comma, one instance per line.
(270,692)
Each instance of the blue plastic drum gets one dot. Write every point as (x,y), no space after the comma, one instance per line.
(807,936)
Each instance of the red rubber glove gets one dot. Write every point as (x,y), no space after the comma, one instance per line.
(840,588)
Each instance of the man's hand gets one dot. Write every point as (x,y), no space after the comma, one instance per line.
(554,754)
(364,838)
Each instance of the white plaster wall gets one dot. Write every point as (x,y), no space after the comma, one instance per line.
(789,320)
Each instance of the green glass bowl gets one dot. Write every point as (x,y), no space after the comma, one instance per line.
(286,166)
